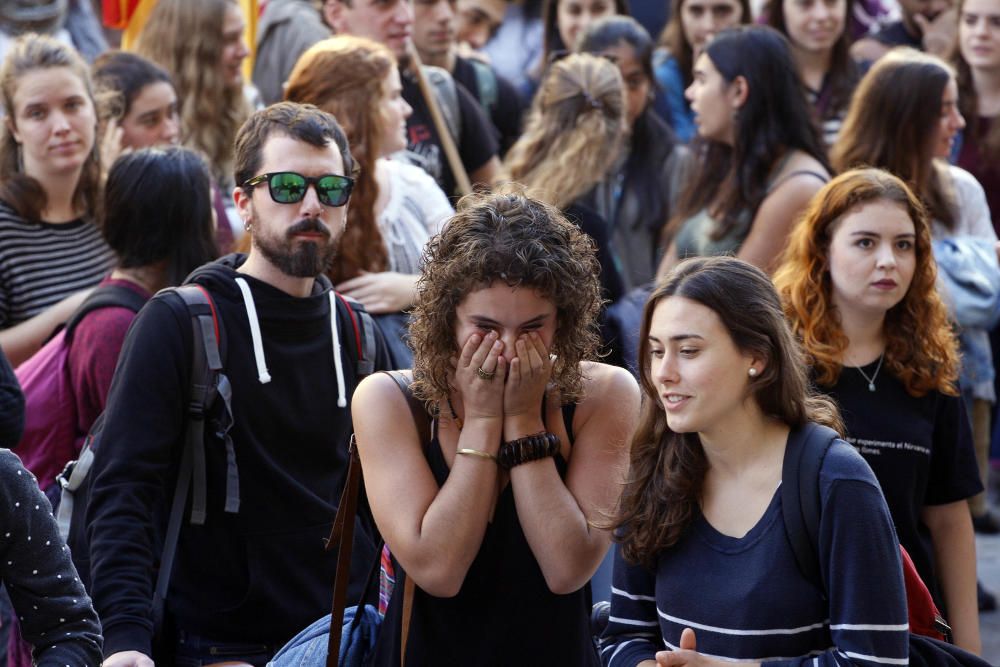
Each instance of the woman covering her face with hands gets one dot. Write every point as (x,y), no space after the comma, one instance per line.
(494,518)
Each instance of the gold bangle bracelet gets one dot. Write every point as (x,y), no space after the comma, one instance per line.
(477,453)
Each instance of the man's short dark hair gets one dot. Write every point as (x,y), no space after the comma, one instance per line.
(303,122)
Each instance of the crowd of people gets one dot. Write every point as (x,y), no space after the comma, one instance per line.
(574,283)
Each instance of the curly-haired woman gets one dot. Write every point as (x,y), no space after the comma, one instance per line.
(858,284)
(494,519)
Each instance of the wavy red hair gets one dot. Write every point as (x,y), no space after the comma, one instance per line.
(343,76)
(921,348)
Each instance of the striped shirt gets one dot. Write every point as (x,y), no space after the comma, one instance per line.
(42,263)
(747,601)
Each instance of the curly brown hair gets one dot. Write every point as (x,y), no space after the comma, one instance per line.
(921,349)
(524,243)
(666,468)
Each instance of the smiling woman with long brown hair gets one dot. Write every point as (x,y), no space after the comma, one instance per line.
(704,566)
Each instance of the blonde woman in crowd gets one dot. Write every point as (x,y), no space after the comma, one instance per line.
(574,133)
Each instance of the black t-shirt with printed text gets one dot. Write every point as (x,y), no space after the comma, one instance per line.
(920,449)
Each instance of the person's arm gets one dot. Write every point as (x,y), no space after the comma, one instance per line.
(953,479)
(558,517)
(11,406)
(632,636)
(487,174)
(868,49)
(435,532)
(951,531)
(24,339)
(775,218)
(56,615)
(137,450)
(668,262)
(382,292)
(974,216)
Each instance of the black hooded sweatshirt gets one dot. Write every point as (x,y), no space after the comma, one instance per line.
(261,574)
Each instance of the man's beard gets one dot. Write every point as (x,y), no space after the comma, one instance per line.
(298,258)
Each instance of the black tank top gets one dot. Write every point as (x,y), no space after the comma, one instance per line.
(504,614)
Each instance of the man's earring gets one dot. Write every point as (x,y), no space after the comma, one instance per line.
(247,225)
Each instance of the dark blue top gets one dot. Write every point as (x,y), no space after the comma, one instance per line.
(746,599)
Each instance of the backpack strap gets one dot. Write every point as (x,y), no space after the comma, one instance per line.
(105,296)
(800,501)
(363,326)
(207,383)
(447,97)
(487,88)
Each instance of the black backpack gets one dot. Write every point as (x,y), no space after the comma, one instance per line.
(208,385)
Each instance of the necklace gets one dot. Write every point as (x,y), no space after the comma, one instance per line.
(871,380)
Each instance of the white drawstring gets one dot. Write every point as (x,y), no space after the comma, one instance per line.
(337,364)
(258,343)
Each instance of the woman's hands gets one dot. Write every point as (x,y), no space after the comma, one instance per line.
(686,656)
(480,373)
(515,390)
(530,371)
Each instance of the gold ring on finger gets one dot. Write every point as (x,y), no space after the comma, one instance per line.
(486,375)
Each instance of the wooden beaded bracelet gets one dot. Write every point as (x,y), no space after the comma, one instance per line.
(529,448)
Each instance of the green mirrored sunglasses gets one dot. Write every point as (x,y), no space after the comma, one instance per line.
(289,187)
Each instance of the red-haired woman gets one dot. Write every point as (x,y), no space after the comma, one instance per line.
(395,207)
(858,284)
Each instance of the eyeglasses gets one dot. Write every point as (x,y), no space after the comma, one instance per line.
(289,187)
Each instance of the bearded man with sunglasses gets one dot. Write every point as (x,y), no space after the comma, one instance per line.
(250,577)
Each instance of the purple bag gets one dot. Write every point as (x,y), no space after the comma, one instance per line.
(50,437)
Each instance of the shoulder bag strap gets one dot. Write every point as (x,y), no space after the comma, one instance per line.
(342,535)
(105,296)
(423,428)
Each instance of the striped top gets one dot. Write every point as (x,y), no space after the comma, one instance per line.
(747,601)
(42,263)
